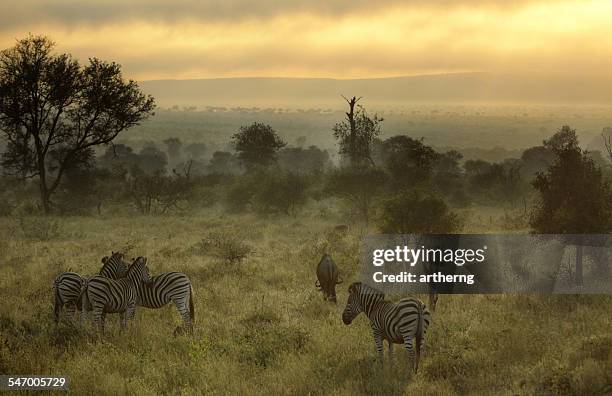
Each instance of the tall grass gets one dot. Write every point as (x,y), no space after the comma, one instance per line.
(262,328)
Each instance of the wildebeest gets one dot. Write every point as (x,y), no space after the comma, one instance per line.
(327,277)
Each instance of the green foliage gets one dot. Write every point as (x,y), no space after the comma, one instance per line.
(574,196)
(303,161)
(495,183)
(280,193)
(356,134)
(224,163)
(409,161)
(83,107)
(257,145)
(415,212)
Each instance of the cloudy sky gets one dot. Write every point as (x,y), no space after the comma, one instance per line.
(158,39)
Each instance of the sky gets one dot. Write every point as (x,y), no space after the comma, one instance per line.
(182,39)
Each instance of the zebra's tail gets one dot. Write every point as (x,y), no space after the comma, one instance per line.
(419,337)
(191,309)
(58,300)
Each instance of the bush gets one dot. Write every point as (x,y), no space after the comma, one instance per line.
(414,212)
(226,246)
(264,338)
(280,193)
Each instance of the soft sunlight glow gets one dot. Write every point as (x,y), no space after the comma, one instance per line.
(562,36)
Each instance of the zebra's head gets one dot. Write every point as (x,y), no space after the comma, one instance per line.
(114,266)
(139,271)
(361,297)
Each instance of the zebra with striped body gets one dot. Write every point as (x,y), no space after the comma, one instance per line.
(103,295)
(166,287)
(403,323)
(67,286)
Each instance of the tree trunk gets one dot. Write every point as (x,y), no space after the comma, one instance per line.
(578,276)
(45,198)
(353,133)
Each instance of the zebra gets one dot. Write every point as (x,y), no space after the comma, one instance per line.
(67,286)
(166,287)
(405,322)
(103,295)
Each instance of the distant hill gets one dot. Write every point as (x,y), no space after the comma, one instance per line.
(460,88)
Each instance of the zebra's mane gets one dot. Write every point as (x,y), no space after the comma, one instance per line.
(367,294)
(115,260)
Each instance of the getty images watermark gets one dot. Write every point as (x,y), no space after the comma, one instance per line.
(469,263)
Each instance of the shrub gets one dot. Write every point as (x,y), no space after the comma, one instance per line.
(225,245)
(280,193)
(414,212)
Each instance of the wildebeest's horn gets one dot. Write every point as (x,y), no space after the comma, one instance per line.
(339,281)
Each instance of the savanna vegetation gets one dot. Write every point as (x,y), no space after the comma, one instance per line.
(248,219)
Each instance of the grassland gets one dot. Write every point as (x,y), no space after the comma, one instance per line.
(261,326)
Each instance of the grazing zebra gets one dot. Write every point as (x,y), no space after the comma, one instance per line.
(103,295)
(67,286)
(166,287)
(399,323)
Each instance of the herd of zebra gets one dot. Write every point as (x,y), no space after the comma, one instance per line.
(404,322)
(119,288)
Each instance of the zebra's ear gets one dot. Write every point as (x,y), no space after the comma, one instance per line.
(104,259)
(352,288)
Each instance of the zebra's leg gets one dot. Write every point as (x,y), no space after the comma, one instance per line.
(408,343)
(98,317)
(182,306)
(390,352)
(71,309)
(103,321)
(124,319)
(379,343)
(130,312)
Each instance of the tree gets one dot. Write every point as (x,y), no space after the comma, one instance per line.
(53,111)
(118,155)
(536,159)
(152,160)
(173,148)
(359,186)
(356,133)
(574,196)
(408,160)
(158,193)
(280,192)
(196,150)
(301,160)
(257,145)
(223,162)
(447,174)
